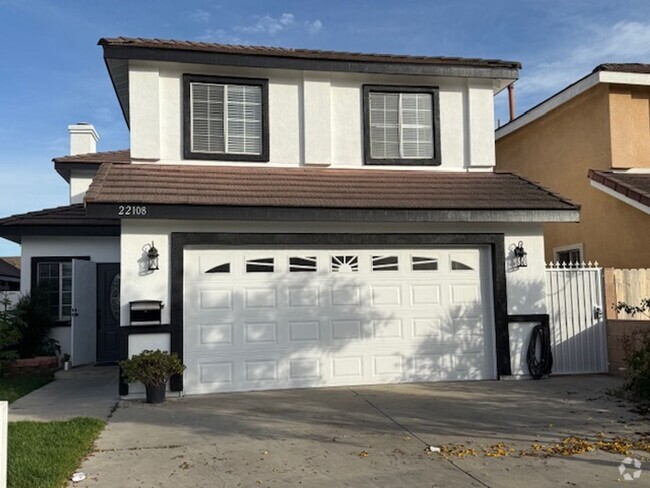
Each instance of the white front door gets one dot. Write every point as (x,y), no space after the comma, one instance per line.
(286,318)
(83,313)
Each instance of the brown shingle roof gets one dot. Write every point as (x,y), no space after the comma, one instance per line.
(69,215)
(307,54)
(635,186)
(248,186)
(7,269)
(624,67)
(12,260)
(121,156)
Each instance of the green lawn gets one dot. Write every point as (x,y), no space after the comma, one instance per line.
(45,454)
(11,389)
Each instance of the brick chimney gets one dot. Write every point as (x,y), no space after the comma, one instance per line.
(83,138)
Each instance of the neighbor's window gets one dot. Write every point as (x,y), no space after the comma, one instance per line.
(226,119)
(568,256)
(400,125)
(55,279)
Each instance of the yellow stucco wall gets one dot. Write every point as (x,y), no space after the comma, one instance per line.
(558,149)
(630,126)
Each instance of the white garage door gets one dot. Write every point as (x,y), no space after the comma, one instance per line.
(287,318)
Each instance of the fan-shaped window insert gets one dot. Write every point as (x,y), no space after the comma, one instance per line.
(222,268)
(345,264)
(306,264)
(262,265)
(424,263)
(385,263)
(458,266)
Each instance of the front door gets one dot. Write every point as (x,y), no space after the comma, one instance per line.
(82,312)
(108,312)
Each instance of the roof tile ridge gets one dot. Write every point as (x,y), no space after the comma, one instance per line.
(98,182)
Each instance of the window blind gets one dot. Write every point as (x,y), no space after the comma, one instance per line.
(401,125)
(226,118)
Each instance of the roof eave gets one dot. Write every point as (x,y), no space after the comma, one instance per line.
(283,62)
(331,214)
(65,169)
(619,196)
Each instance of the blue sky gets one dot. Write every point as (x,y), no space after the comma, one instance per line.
(52,73)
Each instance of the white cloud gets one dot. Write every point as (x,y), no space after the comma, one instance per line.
(221,36)
(261,26)
(200,15)
(314,27)
(268,25)
(626,41)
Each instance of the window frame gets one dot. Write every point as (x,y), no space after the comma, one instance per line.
(35,261)
(569,248)
(188,79)
(434,91)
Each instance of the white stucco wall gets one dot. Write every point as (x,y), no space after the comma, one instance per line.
(80,180)
(525,286)
(314,117)
(99,249)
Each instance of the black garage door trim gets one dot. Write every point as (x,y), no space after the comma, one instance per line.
(179,240)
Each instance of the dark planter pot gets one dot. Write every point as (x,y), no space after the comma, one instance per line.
(156,394)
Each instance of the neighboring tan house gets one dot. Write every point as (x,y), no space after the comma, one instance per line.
(293,218)
(9,274)
(591,143)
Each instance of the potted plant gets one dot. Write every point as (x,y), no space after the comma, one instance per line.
(66,361)
(153,369)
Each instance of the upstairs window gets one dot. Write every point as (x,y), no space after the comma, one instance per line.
(226,118)
(401,125)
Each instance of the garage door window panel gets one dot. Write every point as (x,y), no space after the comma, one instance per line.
(345,264)
(307,264)
(424,263)
(221,268)
(385,263)
(260,265)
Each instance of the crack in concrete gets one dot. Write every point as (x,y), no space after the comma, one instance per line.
(146,448)
(414,435)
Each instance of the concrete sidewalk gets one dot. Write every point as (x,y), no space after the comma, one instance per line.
(87,391)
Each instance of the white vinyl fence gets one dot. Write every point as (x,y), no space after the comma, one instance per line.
(575,302)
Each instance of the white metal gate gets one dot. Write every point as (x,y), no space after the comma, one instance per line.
(574,297)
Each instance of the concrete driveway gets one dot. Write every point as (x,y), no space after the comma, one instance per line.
(366,436)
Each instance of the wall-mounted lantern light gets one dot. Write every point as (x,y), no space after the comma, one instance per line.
(521,261)
(152,256)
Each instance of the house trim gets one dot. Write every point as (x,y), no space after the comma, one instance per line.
(283,62)
(215,212)
(625,199)
(434,91)
(180,240)
(188,79)
(570,92)
(16,232)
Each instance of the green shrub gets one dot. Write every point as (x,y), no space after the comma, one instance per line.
(636,347)
(10,330)
(152,368)
(33,310)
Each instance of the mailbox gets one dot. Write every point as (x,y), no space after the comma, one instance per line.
(146,312)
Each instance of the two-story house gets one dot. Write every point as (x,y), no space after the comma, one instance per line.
(305,218)
(591,142)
